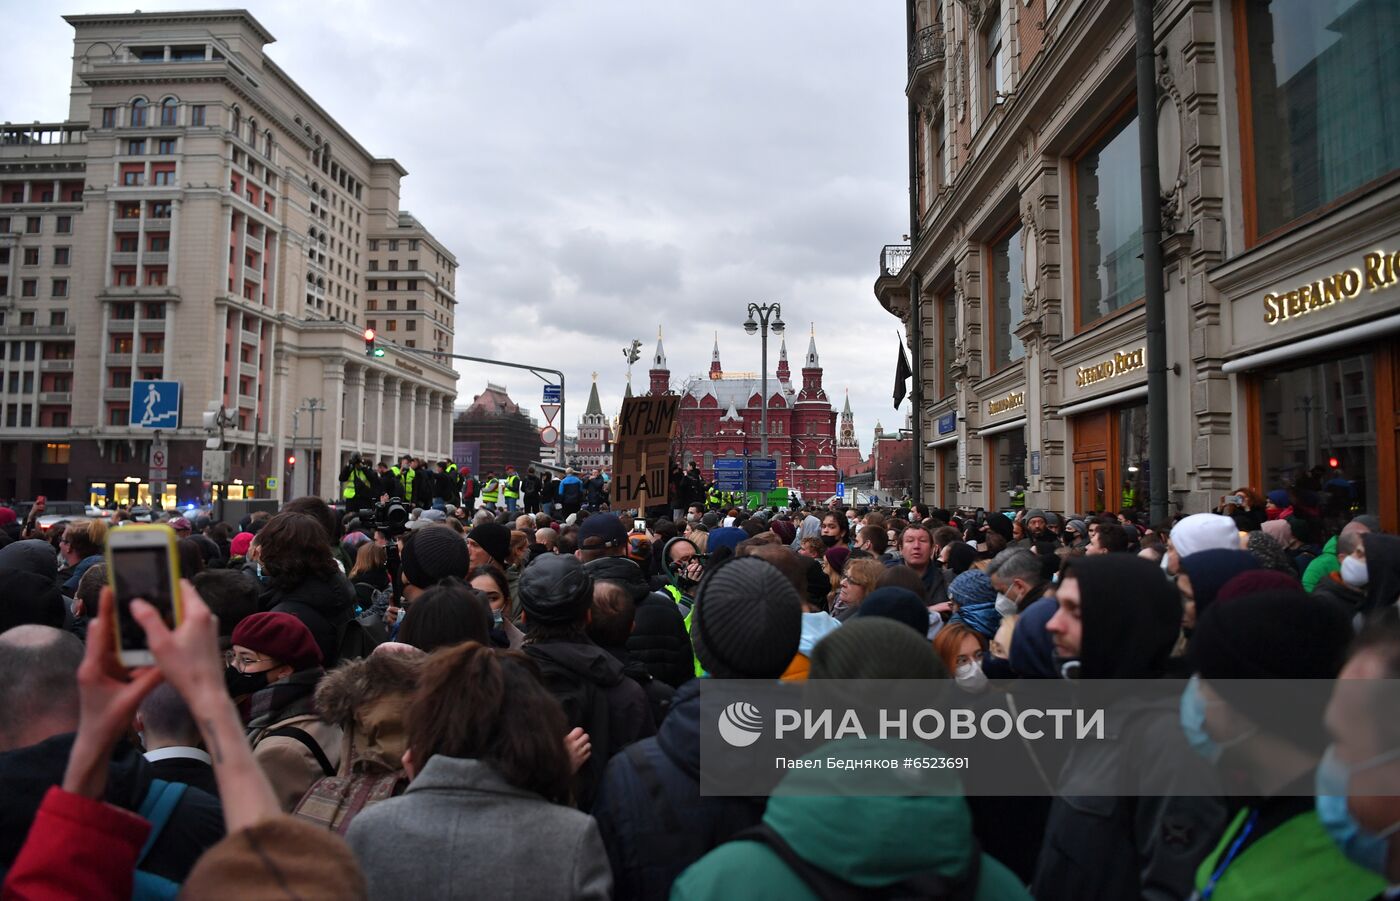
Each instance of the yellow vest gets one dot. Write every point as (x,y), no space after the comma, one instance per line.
(359,475)
(491,491)
(511,485)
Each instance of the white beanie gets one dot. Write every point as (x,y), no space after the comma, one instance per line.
(1204,531)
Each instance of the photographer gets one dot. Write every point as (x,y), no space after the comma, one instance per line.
(358,484)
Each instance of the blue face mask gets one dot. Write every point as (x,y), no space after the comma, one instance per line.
(1193,723)
(1365,849)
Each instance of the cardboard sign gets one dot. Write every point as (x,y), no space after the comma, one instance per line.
(642,454)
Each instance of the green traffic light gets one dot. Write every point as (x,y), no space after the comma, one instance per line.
(379,351)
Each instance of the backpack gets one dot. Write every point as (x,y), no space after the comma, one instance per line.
(161,800)
(929,885)
(333,801)
(572,492)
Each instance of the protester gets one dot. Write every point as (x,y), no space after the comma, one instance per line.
(275,665)
(654,821)
(858,579)
(490,780)
(1146,840)
(610,623)
(171,739)
(81,547)
(1201,575)
(449,613)
(973,601)
(556,595)
(303,580)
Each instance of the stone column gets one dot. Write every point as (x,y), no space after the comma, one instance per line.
(330,428)
(409,437)
(374,415)
(393,394)
(353,402)
(447,401)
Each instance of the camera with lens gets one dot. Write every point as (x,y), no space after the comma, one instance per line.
(389,517)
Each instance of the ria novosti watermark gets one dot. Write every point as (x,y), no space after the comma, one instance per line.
(1026,737)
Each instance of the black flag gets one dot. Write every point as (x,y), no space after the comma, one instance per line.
(901,375)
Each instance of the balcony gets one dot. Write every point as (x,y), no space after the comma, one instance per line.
(252,274)
(121,325)
(248,369)
(248,338)
(119,359)
(124,258)
(126,225)
(247,401)
(55,397)
(892,259)
(37,330)
(154,258)
(55,365)
(154,359)
(116,394)
(926,54)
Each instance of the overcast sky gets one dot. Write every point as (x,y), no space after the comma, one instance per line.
(602,167)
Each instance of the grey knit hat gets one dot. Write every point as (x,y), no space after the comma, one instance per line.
(747,621)
(875,647)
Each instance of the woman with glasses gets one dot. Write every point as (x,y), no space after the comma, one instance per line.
(272,670)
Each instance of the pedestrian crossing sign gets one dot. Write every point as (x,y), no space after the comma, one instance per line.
(155,404)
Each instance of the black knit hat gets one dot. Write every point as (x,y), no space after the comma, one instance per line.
(432,554)
(1279,634)
(747,621)
(898,604)
(494,539)
(555,589)
(875,647)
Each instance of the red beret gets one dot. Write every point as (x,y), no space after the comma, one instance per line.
(280,636)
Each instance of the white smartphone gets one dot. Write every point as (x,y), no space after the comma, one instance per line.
(639,525)
(142,562)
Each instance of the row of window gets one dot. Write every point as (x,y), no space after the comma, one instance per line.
(28,318)
(29,287)
(392,325)
(392,284)
(155,209)
(139,114)
(162,146)
(127,311)
(34,225)
(62,256)
(123,344)
(391,305)
(393,265)
(392,243)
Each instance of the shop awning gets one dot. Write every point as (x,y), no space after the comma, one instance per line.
(945,440)
(1000,427)
(1106,400)
(1361,333)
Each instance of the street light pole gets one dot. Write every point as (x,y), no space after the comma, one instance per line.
(750,326)
(314,405)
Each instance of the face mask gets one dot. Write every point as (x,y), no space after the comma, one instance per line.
(1005,606)
(970,677)
(1365,849)
(1163,564)
(1355,572)
(496,617)
(829,540)
(240,684)
(1193,723)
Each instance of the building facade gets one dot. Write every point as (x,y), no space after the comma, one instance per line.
(199,218)
(504,433)
(595,435)
(1022,288)
(720,416)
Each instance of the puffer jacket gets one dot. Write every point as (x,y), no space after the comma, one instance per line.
(325,605)
(650,839)
(368,700)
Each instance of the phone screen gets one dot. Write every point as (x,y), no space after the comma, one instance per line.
(141,572)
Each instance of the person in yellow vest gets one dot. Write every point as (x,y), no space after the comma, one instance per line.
(1129,497)
(357,484)
(491,491)
(1018,497)
(403,474)
(510,488)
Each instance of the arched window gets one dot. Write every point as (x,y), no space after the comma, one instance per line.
(169,109)
(267,143)
(253,131)
(235,120)
(138,112)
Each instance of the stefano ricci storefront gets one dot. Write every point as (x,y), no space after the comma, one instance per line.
(1314,363)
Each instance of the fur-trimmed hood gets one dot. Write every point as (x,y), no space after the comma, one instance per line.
(368,698)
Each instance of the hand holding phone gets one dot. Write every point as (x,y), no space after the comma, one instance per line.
(142,563)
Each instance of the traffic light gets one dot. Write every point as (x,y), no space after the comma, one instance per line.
(634,352)
(291,459)
(1333,462)
(371,349)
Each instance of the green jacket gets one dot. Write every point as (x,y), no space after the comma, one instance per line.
(1322,566)
(868,841)
(1296,859)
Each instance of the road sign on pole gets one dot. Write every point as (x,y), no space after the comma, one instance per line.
(158,461)
(550,411)
(548,435)
(552,394)
(729,474)
(155,404)
(762,474)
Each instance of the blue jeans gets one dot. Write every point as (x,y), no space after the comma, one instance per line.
(510,504)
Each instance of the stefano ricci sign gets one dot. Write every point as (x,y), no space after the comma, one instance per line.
(1377,271)
(1009,402)
(1119,363)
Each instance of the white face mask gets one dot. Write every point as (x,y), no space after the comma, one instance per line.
(970,677)
(1355,572)
(1005,606)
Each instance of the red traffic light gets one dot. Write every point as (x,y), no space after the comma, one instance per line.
(291,460)
(369,334)
(1333,462)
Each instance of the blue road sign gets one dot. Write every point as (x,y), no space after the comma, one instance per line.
(763,474)
(948,422)
(551,394)
(155,405)
(729,474)
(841,488)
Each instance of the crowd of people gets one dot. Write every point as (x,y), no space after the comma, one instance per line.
(502,696)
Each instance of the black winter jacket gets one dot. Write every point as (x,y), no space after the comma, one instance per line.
(659,639)
(325,605)
(653,820)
